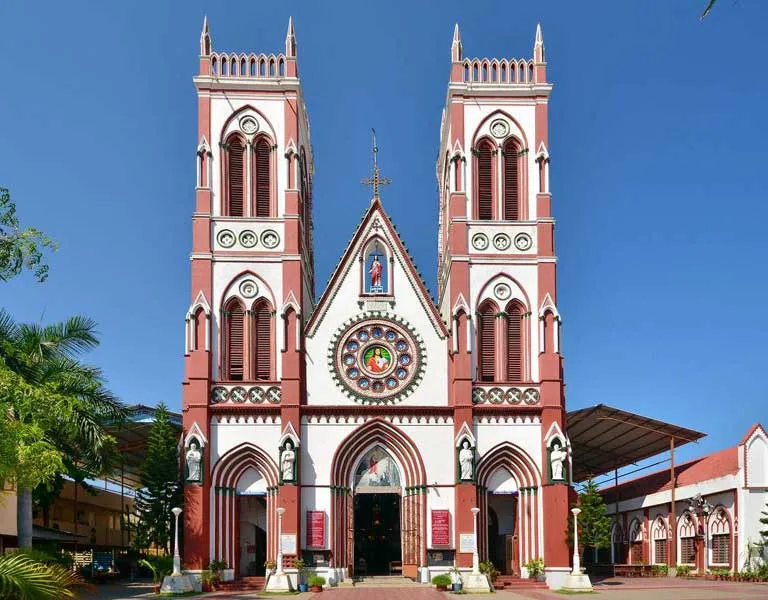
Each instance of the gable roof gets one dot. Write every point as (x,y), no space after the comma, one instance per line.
(718,464)
(376,209)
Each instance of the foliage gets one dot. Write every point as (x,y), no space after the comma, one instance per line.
(488,569)
(20,248)
(764,521)
(319,580)
(159,565)
(683,570)
(721,573)
(217,567)
(661,570)
(23,578)
(207,577)
(441,579)
(270,564)
(535,567)
(594,525)
(161,486)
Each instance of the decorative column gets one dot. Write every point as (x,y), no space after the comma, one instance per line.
(176,583)
(576,580)
(279,581)
(475,556)
(476,581)
(176,556)
(280,512)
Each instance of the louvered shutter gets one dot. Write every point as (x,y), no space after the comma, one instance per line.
(236,178)
(235,342)
(262,343)
(485,183)
(487,340)
(514,343)
(511,184)
(262,179)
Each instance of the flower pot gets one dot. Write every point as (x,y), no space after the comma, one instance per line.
(316,588)
(156,588)
(303,587)
(442,588)
(456,587)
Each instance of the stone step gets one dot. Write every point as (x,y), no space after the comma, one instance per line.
(375,581)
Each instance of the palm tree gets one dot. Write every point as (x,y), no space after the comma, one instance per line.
(24,578)
(80,406)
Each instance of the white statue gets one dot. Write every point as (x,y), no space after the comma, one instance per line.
(287,460)
(194,457)
(557,458)
(466,459)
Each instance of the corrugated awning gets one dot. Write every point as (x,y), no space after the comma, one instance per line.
(604,438)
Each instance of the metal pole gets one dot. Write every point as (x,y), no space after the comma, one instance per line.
(122,504)
(673,524)
(280,512)
(475,555)
(176,555)
(576,561)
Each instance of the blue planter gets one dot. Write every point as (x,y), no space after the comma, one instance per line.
(303,587)
(456,587)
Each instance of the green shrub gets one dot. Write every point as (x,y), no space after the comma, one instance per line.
(159,565)
(683,570)
(316,580)
(487,568)
(441,579)
(535,567)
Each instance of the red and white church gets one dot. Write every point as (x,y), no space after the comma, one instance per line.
(360,429)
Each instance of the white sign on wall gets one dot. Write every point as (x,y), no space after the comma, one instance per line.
(288,543)
(466,542)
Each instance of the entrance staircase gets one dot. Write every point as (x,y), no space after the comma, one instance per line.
(513,582)
(244,584)
(383,581)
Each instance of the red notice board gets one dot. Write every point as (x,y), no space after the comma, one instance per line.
(441,528)
(315,529)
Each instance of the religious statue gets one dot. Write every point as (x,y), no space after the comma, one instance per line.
(287,461)
(194,458)
(375,272)
(466,461)
(557,458)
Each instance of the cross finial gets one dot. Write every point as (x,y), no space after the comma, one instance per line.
(376,180)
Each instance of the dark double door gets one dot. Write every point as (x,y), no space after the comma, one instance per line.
(377,533)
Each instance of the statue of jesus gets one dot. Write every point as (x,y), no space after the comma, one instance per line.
(193,462)
(466,460)
(557,458)
(375,272)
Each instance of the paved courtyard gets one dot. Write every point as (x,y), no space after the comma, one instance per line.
(610,589)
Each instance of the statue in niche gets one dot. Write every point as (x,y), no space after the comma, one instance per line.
(375,272)
(557,457)
(288,461)
(194,459)
(466,461)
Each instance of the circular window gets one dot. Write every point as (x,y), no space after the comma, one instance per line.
(377,360)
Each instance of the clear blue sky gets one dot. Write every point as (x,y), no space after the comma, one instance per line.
(658,127)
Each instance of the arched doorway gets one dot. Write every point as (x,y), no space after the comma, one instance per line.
(252,523)
(502,500)
(352,480)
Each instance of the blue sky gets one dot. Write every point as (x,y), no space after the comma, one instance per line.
(657,126)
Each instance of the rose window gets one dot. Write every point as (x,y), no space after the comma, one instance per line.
(377,360)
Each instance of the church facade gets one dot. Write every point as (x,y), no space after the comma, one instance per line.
(373,430)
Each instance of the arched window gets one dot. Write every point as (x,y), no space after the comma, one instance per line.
(617,544)
(515,337)
(635,543)
(261,340)
(485,180)
(659,542)
(262,179)
(687,533)
(236,177)
(720,541)
(234,329)
(511,153)
(486,342)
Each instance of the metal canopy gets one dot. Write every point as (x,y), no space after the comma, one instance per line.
(605,438)
(132,437)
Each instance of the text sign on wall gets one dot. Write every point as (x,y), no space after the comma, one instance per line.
(466,542)
(441,528)
(288,543)
(315,529)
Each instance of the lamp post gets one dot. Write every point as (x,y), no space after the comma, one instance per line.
(280,512)
(701,508)
(576,562)
(475,556)
(176,555)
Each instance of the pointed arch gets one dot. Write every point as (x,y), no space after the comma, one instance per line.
(686,535)
(234,176)
(720,532)
(262,340)
(487,341)
(659,541)
(512,181)
(635,542)
(617,543)
(515,341)
(233,354)
(485,178)
(262,178)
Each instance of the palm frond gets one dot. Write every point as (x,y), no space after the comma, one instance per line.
(23,578)
(8,327)
(76,334)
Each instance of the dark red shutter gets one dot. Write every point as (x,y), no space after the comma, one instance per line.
(235,342)
(262,179)
(262,344)
(514,343)
(236,178)
(511,183)
(487,339)
(485,183)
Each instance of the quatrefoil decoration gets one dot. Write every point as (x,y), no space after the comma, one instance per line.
(531,396)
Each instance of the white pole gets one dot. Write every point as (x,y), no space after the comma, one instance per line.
(576,561)
(280,512)
(176,555)
(475,556)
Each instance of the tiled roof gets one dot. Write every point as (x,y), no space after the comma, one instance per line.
(718,464)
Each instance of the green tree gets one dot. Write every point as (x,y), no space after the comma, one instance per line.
(52,399)
(764,522)
(594,525)
(24,577)
(20,248)
(161,484)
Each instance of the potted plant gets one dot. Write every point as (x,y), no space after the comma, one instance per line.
(683,571)
(491,572)
(208,580)
(535,568)
(441,582)
(270,565)
(316,583)
(301,567)
(159,566)
(456,583)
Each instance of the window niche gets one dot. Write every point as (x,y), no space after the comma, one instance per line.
(377,269)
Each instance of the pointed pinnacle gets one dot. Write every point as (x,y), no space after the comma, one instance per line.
(205,24)
(290,26)
(456,35)
(290,40)
(539,37)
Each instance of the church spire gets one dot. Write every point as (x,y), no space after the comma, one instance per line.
(205,38)
(456,50)
(290,40)
(376,179)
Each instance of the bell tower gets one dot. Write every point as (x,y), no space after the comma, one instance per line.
(497,273)
(252,263)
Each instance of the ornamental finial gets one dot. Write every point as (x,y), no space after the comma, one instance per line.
(376,180)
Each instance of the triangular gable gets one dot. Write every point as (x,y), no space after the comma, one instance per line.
(289,433)
(347,262)
(465,433)
(195,433)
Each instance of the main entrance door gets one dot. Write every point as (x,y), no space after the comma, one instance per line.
(377,533)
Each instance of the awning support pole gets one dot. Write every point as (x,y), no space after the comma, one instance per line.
(673,518)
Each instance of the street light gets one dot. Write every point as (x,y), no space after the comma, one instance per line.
(701,508)
(176,555)
(576,561)
(475,556)
(280,512)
